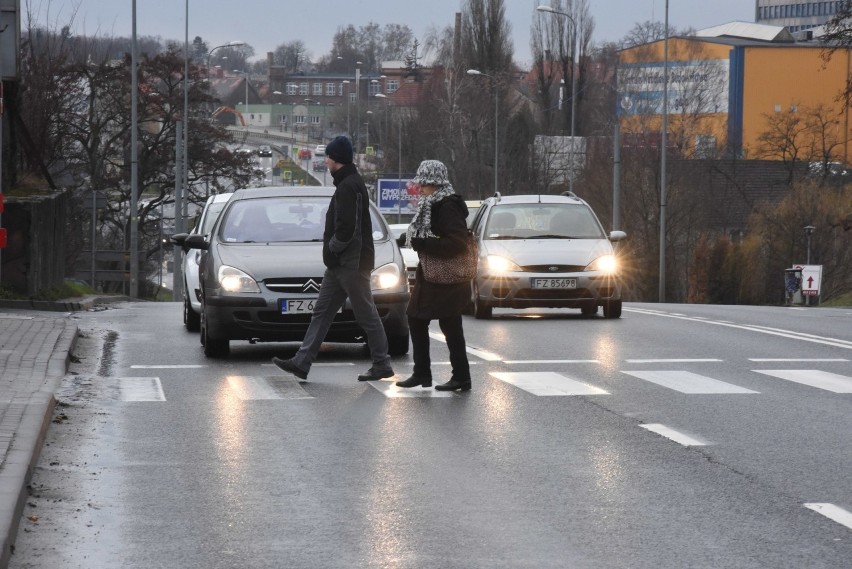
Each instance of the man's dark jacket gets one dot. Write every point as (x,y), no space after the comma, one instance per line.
(348,235)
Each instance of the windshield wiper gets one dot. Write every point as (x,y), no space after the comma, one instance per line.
(551,237)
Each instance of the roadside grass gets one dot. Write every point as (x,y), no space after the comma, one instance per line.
(844,300)
(68,289)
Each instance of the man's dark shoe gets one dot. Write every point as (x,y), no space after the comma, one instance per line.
(376,373)
(416,381)
(454,384)
(290,367)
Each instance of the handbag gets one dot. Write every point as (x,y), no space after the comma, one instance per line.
(451,270)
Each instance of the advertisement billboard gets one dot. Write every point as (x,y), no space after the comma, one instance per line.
(391,200)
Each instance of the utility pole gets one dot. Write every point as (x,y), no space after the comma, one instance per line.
(134,165)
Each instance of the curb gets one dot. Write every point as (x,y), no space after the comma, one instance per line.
(68,305)
(28,441)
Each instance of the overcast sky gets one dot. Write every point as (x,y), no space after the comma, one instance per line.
(265,24)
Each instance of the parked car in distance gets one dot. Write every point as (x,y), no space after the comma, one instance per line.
(319,166)
(319,150)
(544,251)
(304,154)
(191,290)
(261,269)
(264,150)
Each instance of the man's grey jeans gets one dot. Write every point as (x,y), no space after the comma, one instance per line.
(338,284)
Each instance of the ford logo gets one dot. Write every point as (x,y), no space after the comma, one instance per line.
(553,269)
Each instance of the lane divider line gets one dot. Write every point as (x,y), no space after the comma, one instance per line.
(832,512)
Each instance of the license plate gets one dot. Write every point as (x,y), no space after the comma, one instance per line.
(554,283)
(296,305)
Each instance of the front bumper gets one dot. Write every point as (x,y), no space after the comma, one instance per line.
(515,290)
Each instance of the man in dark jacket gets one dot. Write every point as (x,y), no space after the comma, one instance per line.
(348,254)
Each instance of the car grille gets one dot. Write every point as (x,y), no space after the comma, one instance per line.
(294,284)
(553,268)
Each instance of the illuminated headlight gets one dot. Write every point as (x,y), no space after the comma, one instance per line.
(235,280)
(499,265)
(607,265)
(385,277)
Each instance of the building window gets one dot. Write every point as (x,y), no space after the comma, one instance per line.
(291,88)
(392,85)
(303,88)
(329,89)
(317,89)
(298,119)
(705,146)
(351,98)
(315,119)
(374,88)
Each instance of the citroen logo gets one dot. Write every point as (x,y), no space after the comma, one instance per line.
(310,286)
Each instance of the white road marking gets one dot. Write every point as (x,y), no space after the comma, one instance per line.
(798,360)
(164,366)
(321,364)
(673,361)
(390,390)
(674,435)
(133,389)
(547,383)
(754,328)
(688,382)
(551,361)
(250,388)
(833,382)
(482,354)
(832,512)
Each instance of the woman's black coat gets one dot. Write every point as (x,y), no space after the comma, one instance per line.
(431,301)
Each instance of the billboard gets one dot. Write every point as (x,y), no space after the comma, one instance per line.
(391,200)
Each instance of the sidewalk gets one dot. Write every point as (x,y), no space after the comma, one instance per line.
(36,340)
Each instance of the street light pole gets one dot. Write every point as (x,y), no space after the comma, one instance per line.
(496,115)
(574,37)
(663,152)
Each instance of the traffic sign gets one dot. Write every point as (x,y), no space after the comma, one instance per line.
(811,279)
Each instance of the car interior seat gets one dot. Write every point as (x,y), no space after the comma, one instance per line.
(563,223)
(255,225)
(503,222)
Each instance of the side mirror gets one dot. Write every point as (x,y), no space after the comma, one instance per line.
(616,236)
(196,241)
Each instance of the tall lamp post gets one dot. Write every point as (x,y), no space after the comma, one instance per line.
(245,75)
(496,115)
(348,104)
(399,158)
(573,84)
(210,53)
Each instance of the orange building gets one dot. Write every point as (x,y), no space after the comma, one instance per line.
(728,86)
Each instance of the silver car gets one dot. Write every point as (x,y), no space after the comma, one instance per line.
(544,251)
(191,289)
(261,269)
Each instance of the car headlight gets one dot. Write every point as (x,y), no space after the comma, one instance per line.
(235,280)
(499,265)
(385,277)
(607,264)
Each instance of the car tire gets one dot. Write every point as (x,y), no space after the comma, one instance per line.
(481,309)
(398,345)
(213,347)
(191,319)
(612,309)
(589,310)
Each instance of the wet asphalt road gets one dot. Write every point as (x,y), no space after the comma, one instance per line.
(677,436)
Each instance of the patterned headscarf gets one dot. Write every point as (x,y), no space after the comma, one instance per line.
(429,173)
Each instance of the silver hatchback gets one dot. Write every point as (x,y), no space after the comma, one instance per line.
(544,251)
(261,269)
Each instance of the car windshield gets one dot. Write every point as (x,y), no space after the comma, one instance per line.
(543,221)
(281,219)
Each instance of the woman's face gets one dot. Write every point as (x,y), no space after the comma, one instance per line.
(427,190)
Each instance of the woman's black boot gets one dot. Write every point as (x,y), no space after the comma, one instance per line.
(454,384)
(416,380)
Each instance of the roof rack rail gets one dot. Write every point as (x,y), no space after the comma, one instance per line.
(497,195)
(569,193)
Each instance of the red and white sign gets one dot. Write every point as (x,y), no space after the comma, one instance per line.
(811,279)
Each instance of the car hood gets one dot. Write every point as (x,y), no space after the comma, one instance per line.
(525,252)
(277,260)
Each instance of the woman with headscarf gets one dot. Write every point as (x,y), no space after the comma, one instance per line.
(439,229)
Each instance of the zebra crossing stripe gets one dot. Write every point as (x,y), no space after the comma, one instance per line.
(672,434)
(249,388)
(169,366)
(390,390)
(688,382)
(547,383)
(814,378)
(832,512)
(133,389)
